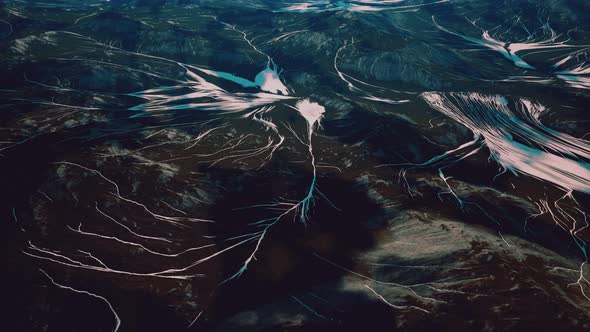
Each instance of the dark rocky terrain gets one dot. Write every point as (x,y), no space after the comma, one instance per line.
(402,165)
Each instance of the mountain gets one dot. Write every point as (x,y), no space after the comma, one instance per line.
(411,165)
